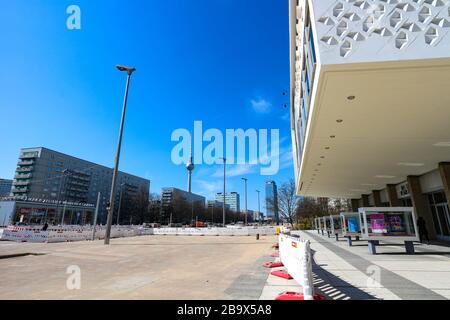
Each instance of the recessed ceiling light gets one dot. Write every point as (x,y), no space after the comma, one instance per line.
(339,120)
(383,176)
(319,164)
(327,148)
(358,190)
(333,136)
(351,98)
(442,144)
(322,157)
(369,184)
(411,164)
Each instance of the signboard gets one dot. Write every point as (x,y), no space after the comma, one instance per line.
(350,224)
(335,222)
(385,223)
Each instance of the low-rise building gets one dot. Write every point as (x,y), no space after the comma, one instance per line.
(31,211)
(231,198)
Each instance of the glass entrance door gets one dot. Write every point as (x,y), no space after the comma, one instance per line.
(441,215)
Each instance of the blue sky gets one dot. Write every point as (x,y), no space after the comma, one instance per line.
(223,62)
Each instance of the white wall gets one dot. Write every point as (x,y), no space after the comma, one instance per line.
(412,29)
(431,182)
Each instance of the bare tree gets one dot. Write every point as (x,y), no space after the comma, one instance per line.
(288,202)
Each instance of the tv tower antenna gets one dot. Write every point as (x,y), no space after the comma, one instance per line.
(190,167)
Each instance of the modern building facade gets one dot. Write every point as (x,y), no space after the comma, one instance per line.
(171,195)
(216,204)
(370,103)
(272,201)
(39,211)
(5,187)
(231,198)
(47,174)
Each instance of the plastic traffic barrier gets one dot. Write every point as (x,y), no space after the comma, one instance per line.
(289,295)
(273,264)
(275,254)
(295,254)
(281,274)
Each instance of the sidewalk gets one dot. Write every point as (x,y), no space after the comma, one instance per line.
(343,273)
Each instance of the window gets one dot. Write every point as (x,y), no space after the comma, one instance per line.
(311,43)
(440,213)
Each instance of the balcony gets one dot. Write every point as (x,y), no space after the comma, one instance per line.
(19,190)
(23,176)
(28,155)
(72,188)
(25,163)
(78,183)
(21,183)
(25,169)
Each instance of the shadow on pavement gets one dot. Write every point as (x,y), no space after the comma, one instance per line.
(334,288)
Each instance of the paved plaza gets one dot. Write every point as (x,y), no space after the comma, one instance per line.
(195,267)
(147,267)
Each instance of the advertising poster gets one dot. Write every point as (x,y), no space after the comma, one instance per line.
(353,225)
(378,223)
(396,223)
(337,224)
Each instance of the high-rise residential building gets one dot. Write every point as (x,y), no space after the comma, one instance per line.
(5,187)
(232,199)
(216,204)
(171,195)
(272,201)
(370,103)
(50,175)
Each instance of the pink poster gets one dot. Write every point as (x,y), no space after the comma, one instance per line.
(377,222)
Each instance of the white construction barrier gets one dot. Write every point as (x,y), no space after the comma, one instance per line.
(295,254)
(80,233)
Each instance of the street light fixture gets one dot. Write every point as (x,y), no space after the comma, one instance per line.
(245,196)
(120,203)
(224,187)
(259,207)
(129,71)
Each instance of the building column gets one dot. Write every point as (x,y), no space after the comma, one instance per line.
(376,198)
(355,205)
(394,201)
(420,203)
(444,169)
(365,200)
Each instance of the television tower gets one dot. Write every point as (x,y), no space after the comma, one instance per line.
(190,167)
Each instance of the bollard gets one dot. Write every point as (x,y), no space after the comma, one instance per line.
(257,236)
(373,246)
(409,246)
(349,241)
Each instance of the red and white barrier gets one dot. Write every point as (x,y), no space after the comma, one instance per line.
(295,255)
(80,233)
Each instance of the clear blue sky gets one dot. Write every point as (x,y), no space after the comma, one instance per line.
(224,62)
